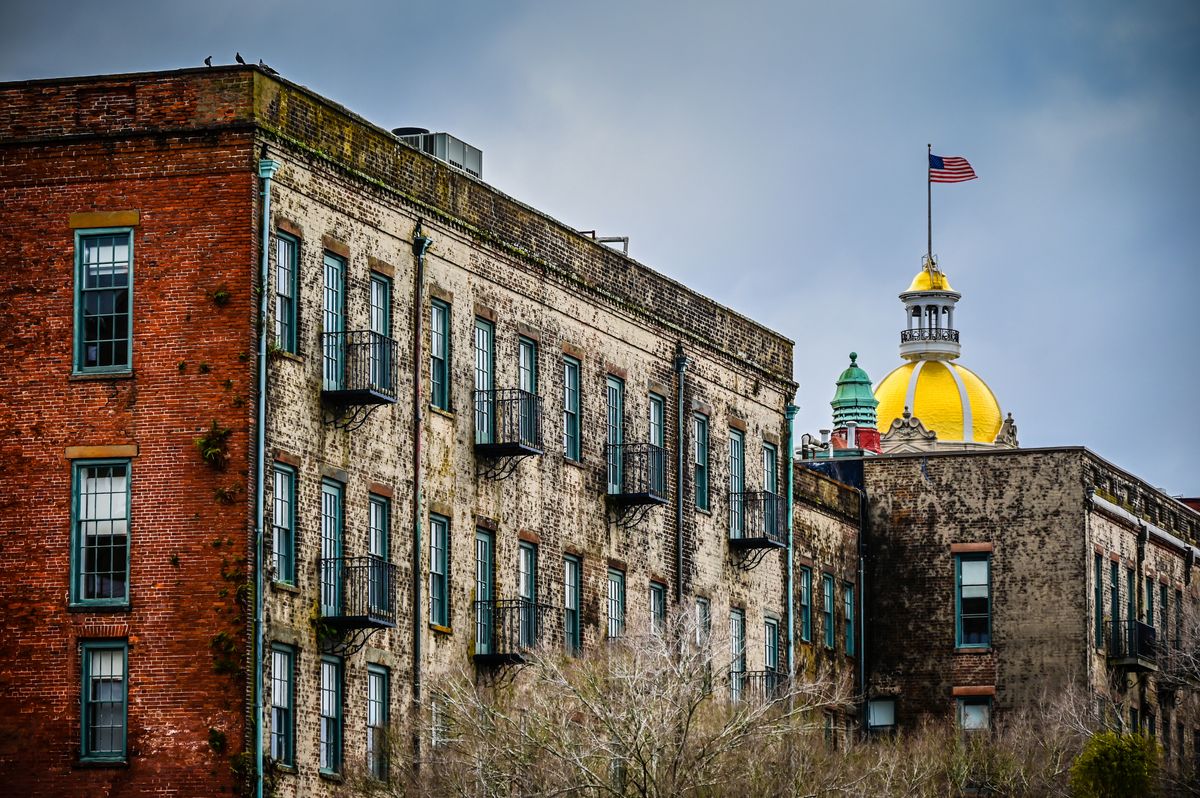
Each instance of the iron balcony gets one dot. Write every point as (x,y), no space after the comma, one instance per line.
(358,592)
(765,685)
(637,473)
(506,630)
(508,423)
(1132,645)
(358,368)
(757,520)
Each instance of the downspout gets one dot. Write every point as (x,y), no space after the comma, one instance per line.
(266,169)
(420,245)
(790,411)
(862,601)
(681,364)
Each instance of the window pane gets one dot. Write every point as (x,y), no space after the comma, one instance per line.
(102,532)
(975,572)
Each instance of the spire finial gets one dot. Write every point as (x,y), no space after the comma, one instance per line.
(853,358)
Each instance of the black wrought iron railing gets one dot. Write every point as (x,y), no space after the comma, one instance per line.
(758,518)
(508,420)
(359,367)
(926,334)
(1132,640)
(358,591)
(765,685)
(637,472)
(506,629)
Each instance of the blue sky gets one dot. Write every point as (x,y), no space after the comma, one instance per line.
(771,155)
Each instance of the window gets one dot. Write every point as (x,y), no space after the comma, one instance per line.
(439,571)
(806,604)
(334,322)
(737,483)
(104,703)
(528,625)
(1164,616)
(103,300)
(658,607)
(881,714)
(331,548)
(572,599)
(972,606)
(484,575)
(100,552)
(380,354)
(283,699)
(1178,642)
(975,713)
(379,512)
(1130,596)
(827,609)
(700,459)
(283,539)
(1114,588)
(378,714)
(527,381)
(657,471)
(485,340)
(848,601)
(287,289)
(616,602)
(771,644)
(330,732)
(439,354)
(1166,738)
(1149,602)
(1098,578)
(703,622)
(737,652)
(770,468)
(615,389)
(571,448)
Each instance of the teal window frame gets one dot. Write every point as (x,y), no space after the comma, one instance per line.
(572,603)
(379,307)
(771,644)
(848,609)
(439,571)
(1164,615)
(1130,595)
(614,390)
(806,585)
(1114,590)
(330,704)
(527,381)
(527,590)
(82,292)
(1149,602)
(771,468)
(1098,599)
(830,616)
(965,702)
(700,462)
(737,652)
(379,692)
(90,703)
(283,714)
(283,524)
(615,603)
(333,524)
(379,525)
(485,380)
(439,354)
(485,586)
(658,607)
(737,484)
(656,467)
(80,551)
(961,637)
(571,420)
(703,621)
(333,320)
(287,291)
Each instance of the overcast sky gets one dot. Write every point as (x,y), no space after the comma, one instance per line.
(772,156)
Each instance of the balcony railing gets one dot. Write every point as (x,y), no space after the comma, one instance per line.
(507,629)
(508,423)
(358,368)
(757,520)
(767,685)
(1132,644)
(927,334)
(358,592)
(637,473)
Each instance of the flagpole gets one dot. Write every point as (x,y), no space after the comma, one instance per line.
(929,204)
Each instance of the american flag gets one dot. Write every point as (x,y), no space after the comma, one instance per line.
(949,169)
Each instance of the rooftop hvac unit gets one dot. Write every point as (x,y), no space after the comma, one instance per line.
(444,147)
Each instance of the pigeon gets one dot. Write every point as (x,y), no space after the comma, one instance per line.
(266,68)
(208,61)
(238,57)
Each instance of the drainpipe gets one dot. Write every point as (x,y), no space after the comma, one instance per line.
(266,169)
(420,245)
(681,364)
(862,601)
(790,411)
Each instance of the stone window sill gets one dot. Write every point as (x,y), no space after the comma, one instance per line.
(284,587)
(89,376)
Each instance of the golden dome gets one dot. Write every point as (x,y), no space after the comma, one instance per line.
(943,395)
(924,281)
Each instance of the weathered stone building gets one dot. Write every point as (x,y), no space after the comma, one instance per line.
(465,429)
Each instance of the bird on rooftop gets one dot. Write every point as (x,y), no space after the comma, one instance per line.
(238,58)
(208,61)
(266,68)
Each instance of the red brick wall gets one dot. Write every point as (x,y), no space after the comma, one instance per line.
(188,549)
